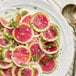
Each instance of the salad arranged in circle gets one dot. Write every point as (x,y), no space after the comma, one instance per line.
(29,44)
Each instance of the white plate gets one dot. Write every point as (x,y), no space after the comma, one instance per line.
(65,59)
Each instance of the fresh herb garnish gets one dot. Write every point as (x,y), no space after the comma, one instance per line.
(8,48)
(23,64)
(53,57)
(24,13)
(1,55)
(6,12)
(1,50)
(35,7)
(39,55)
(41,38)
(0,26)
(23,74)
(31,27)
(44,62)
(7,40)
(50,58)
(14,24)
(18,8)
(53,28)
(35,58)
(50,46)
(5,35)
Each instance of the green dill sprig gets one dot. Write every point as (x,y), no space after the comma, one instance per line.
(14,24)
(50,46)
(1,57)
(41,38)
(24,13)
(6,12)
(0,26)
(18,8)
(1,49)
(44,62)
(50,58)
(54,29)
(35,58)
(7,40)
(53,57)
(31,27)
(35,7)
(23,64)
(39,55)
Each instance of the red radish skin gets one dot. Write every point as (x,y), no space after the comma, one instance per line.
(20,55)
(52,48)
(49,66)
(3,42)
(36,72)
(26,72)
(7,72)
(54,54)
(9,31)
(49,47)
(40,21)
(1,32)
(35,50)
(18,20)
(23,34)
(16,71)
(8,55)
(4,63)
(1,25)
(49,34)
(3,21)
(27,19)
